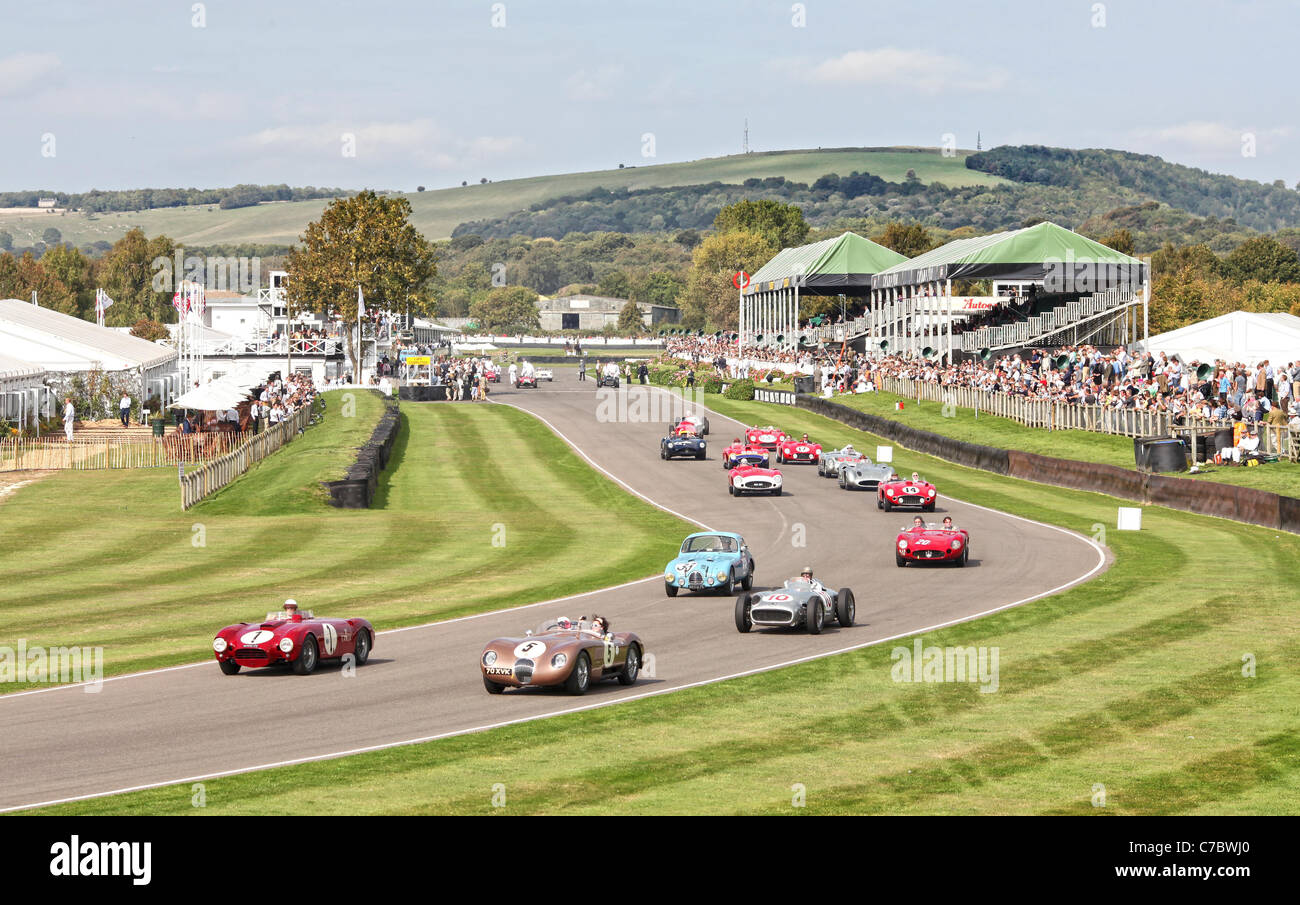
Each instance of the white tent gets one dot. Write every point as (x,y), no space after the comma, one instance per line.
(1241,336)
(217,395)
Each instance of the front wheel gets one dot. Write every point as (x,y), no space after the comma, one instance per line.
(631,666)
(748,582)
(929,507)
(493,687)
(580,678)
(361,653)
(965,554)
(229,667)
(699,455)
(670,589)
(307,657)
(899,560)
(743,622)
(816,616)
(845,607)
(889,507)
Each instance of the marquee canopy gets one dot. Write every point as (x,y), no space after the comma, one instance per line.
(1045,252)
(223,393)
(1241,336)
(843,264)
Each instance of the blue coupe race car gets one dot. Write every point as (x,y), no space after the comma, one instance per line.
(710,561)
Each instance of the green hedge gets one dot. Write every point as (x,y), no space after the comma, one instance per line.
(741,389)
(712,385)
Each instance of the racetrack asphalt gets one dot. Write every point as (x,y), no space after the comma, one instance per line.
(190,723)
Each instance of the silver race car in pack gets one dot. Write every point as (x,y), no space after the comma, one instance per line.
(801,603)
(864,474)
(830,461)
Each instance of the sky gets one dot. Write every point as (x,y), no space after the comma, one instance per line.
(390,94)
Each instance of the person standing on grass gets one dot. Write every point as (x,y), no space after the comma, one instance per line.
(124,409)
(69,416)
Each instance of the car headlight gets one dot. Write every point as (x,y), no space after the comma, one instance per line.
(286,644)
(889,492)
(956,544)
(219,645)
(902,545)
(489,658)
(559,660)
(722,576)
(930,492)
(668,576)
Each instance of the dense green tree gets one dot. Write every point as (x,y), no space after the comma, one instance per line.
(782,225)
(630,320)
(134,273)
(1120,239)
(74,270)
(711,298)
(365,242)
(1265,259)
(507,309)
(909,239)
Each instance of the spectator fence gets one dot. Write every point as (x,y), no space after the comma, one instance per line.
(212,476)
(1048,414)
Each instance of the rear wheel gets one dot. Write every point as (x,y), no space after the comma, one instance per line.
(580,678)
(307,657)
(845,607)
(493,687)
(743,622)
(631,666)
(229,667)
(816,617)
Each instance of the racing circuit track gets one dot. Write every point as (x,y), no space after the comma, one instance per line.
(189,723)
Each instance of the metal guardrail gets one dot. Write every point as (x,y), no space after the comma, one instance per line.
(210,478)
(1278,440)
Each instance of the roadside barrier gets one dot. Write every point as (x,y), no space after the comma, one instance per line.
(357,489)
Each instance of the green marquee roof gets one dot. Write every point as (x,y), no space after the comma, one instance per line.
(1044,251)
(843,264)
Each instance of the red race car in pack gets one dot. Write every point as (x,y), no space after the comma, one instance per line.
(801,450)
(292,638)
(753,479)
(767,437)
(741,453)
(912,493)
(928,542)
(527,382)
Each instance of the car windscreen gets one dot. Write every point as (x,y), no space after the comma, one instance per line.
(709,544)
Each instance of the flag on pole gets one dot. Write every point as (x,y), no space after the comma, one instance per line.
(102,304)
(361,304)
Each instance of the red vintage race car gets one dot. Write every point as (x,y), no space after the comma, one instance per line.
(801,450)
(752,479)
(744,454)
(492,373)
(562,652)
(906,492)
(766,437)
(294,638)
(527,382)
(932,543)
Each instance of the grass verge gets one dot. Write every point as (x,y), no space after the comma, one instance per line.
(1166,685)
(109,559)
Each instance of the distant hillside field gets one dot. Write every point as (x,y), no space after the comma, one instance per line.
(437,213)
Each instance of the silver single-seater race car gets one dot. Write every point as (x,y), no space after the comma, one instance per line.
(831,461)
(864,475)
(802,602)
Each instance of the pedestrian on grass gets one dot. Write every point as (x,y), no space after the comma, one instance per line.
(124,409)
(69,416)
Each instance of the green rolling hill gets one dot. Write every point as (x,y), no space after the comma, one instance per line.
(437,213)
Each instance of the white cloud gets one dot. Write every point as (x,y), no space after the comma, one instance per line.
(1212,140)
(593,86)
(23,70)
(419,141)
(921,70)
